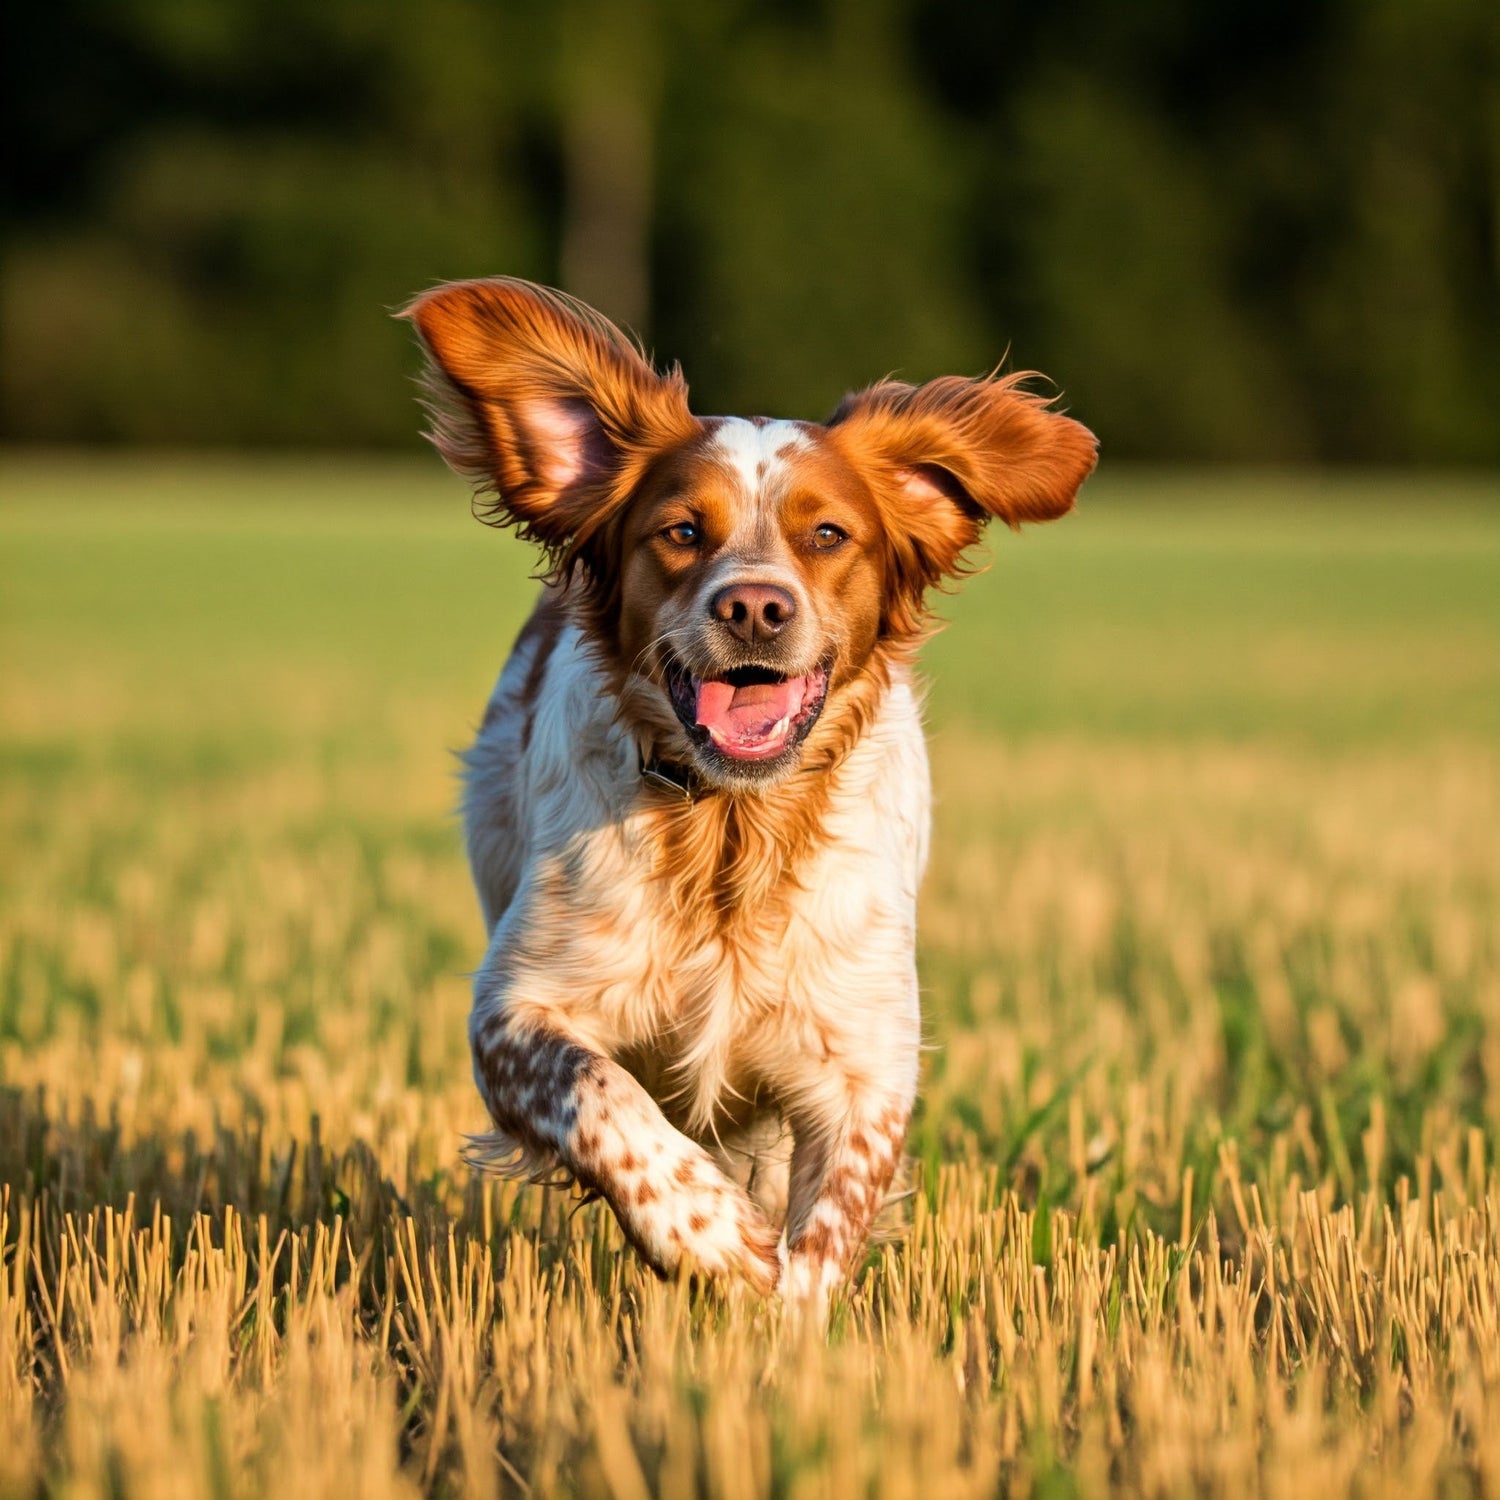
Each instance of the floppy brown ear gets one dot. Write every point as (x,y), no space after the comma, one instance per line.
(542,403)
(950,455)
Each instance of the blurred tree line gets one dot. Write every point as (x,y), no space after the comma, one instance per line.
(1249,229)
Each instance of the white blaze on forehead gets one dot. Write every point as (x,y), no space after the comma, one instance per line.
(757,452)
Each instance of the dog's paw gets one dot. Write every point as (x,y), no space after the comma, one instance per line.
(808,1282)
(692,1215)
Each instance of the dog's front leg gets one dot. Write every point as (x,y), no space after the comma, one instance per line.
(557,1101)
(842,1166)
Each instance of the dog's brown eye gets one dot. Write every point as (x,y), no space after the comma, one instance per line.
(683,534)
(827,537)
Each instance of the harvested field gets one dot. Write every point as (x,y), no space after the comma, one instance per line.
(1207,1194)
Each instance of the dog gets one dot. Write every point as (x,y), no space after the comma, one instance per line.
(697,811)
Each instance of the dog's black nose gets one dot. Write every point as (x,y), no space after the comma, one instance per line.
(754,611)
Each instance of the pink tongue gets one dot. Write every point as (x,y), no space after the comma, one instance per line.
(747,714)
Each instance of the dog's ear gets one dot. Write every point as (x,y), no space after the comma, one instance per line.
(948,456)
(544,405)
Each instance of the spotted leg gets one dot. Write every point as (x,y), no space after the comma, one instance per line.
(556,1103)
(841,1171)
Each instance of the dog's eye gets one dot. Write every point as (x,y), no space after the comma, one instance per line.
(826,537)
(683,534)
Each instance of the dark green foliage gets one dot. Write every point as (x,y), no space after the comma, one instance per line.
(1227,231)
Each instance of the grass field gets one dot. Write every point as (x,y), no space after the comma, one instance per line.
(1211,950)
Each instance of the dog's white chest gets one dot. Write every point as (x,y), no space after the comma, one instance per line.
(714,987)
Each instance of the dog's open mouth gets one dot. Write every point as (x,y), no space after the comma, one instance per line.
(750,713)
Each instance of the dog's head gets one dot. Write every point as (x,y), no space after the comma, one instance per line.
(739,574)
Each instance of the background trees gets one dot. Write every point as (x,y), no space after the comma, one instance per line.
(1264,230)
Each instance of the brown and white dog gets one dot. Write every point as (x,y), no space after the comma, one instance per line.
(697,812)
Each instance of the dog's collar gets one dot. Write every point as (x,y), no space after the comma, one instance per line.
(670,776)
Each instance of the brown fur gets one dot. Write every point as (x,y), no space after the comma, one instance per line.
(792,863)
(725,859)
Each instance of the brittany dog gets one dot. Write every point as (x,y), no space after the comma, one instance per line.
(697,811)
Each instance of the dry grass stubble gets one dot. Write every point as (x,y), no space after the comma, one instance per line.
(1202,1262)
(1208,1192)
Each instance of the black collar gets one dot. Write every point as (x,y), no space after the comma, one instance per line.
(670,776)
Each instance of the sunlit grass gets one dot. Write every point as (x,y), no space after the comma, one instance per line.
(1211,946)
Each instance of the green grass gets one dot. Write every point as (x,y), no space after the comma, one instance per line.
(1324,612)
(1210,947)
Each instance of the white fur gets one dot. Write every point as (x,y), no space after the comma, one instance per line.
(757,453)
(573,800)
(816,1018)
